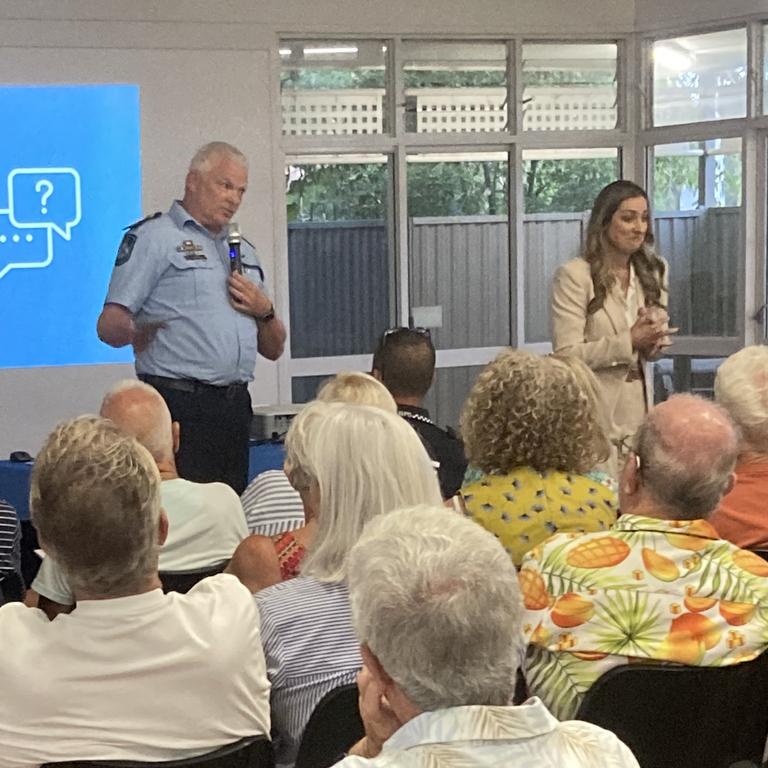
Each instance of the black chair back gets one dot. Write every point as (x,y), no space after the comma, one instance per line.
(11,587)
(675,715)
(250,752)
(334,726)
(183,581)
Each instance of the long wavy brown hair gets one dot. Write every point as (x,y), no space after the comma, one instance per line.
(649,268)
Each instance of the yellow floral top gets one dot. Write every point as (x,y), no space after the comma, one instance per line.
(525,507)
(662,590)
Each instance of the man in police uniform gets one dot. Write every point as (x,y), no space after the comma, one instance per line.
(194,324)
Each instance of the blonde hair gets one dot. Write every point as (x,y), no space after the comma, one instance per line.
(95,501)
(530,411)
(741,387)
(363,461)
(356,387)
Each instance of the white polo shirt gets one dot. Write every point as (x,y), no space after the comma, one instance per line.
(148,677)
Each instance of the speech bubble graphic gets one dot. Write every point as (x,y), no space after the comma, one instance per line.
(44,198)
(23,249)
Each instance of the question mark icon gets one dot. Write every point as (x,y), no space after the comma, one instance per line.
(44,184)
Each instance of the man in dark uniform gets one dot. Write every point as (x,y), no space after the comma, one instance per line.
(195,324)
(404,361)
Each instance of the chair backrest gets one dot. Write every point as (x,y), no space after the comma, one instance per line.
(334,726)
(183,581)
(675,715)
(11,587)
(250,752)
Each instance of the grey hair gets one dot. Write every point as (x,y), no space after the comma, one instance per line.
(203,158)
(741,387)
(436,599)
(687,473)
(95,501)
(357,387)
(363,462)
(139,409)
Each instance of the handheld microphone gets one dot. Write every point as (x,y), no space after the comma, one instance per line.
(234,240)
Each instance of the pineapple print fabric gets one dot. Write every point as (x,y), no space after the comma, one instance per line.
(649,590)
(525,507)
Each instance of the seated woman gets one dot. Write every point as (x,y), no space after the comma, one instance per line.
(358,462)
(260,561)
(532,436)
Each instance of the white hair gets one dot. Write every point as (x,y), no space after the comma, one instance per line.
(203,158)
(95,501)
(139,409)
(436,599)
(741,387)
(357,387)
(363,461)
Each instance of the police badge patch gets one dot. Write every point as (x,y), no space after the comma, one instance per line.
(126,249)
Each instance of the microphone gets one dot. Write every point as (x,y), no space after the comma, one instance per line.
(234,240)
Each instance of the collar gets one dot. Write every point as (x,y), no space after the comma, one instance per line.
(414,412)
(455,724)
(181,219)
(698,527)
(121,607)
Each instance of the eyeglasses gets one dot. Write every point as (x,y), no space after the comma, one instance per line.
(400,328)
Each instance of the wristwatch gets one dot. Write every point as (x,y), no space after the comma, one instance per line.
(267,316)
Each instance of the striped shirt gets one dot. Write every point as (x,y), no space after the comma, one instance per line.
(311,648)
(271,504)
(10,539)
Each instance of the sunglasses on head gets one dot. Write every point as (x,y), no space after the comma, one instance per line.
(391,331)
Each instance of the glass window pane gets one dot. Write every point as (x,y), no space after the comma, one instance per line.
(455,87)
(339,267)
(697,224)
(459,247)
(304,388)
(333,88)
(681,373)
(559,187)
(700,77)
(569,87)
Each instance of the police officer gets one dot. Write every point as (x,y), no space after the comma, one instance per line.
(194,324)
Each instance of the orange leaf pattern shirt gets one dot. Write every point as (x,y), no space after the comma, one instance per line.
(649,589)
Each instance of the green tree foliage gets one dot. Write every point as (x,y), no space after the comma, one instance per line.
(552,186)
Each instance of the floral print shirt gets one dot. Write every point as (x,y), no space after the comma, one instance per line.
(649,589)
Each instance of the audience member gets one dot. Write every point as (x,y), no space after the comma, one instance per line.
(741,387)
(661,585)
(532,435)
(404,361)
(261,561)
(131,673)
(436,606)
(271,505)
(206,521)
(10,549)
(358,462)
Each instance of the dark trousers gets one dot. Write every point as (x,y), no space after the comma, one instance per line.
(215,426)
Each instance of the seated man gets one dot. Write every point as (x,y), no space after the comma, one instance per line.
(131,673)
(404,361)
(661,585)
(741,387)
(206,520)
(435,604)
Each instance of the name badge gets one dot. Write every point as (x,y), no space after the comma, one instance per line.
(192,251)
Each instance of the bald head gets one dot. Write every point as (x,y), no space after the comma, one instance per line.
(687,448)
(139,410)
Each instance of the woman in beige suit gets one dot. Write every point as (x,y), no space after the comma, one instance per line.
(609,305)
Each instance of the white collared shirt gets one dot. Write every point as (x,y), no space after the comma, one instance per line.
(631,299)
(508,737)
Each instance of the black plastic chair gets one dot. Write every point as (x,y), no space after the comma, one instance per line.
(11,587)
(686,717)
(334,726)
(183,581)
(250,752)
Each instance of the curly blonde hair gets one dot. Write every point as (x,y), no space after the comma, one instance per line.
(525,410)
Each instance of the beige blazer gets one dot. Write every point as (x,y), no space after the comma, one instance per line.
(602,340)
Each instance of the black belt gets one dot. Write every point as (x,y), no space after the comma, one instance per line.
(192,385)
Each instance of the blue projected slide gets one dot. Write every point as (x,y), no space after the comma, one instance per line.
(70,180)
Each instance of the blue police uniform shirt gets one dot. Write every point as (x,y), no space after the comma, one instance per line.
(174,271)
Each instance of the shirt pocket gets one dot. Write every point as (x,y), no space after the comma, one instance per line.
(193,281)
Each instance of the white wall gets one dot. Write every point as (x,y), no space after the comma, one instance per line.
(660,15)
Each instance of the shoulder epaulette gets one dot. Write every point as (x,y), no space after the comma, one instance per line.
(137,224)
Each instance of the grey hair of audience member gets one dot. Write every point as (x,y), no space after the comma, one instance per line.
(139,409)
(361,461)
(435,597)
(741,387)
(203,158)
(687,448)
(95,502)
